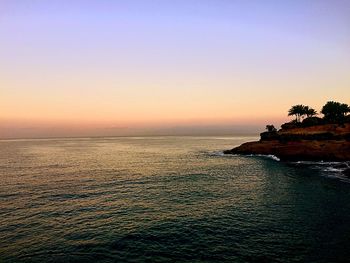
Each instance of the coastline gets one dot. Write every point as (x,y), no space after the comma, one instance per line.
(319,143)
(304,150)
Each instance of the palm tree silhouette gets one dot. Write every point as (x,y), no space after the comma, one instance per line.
(298,111)
(335,111)
(310,112)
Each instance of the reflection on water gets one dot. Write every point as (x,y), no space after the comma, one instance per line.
(164,199)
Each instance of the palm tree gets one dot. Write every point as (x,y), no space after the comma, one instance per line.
(310,112)
(335,111)
(298,111)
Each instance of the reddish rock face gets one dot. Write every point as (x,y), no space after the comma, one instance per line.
(298,150)
(329,142)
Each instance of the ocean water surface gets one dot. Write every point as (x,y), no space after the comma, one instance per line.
(159,199)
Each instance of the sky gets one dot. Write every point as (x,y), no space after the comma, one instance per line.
(104,68)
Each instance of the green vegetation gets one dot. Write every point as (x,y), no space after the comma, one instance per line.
(300,111)
(305,116)
(333,112)
(310,112)
(296,110)
(271,128)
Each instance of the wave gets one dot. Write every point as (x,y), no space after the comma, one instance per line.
(328,169)
(218,153)
(335,170)
(221,154)
(269,156)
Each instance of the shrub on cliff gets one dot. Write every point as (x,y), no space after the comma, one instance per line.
(312,121)
(347,119)
(290,125)
(335,112)
(271,128)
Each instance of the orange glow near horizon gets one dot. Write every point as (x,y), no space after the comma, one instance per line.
(88,70)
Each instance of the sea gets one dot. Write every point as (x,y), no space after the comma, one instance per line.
(167,199)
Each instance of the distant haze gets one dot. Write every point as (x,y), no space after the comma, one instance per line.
(105,68)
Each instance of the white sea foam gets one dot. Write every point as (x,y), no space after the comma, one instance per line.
(217,153)
(273,157)
(332,169)
(270,156)
(222,154)
(328,169)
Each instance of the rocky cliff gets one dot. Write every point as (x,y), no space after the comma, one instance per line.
(328,142)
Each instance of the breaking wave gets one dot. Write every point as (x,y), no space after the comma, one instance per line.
(329,169)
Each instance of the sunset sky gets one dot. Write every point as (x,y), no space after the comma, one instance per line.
(86,68)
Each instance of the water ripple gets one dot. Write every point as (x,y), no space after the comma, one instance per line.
(166,199)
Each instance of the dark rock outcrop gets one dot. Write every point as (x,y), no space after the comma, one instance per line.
(268,136)
(312,121)
(298,150)
(316,143)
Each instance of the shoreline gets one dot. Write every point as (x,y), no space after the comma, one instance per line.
(318,143)
(305,150)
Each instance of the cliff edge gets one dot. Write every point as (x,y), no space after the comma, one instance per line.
(326,142)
